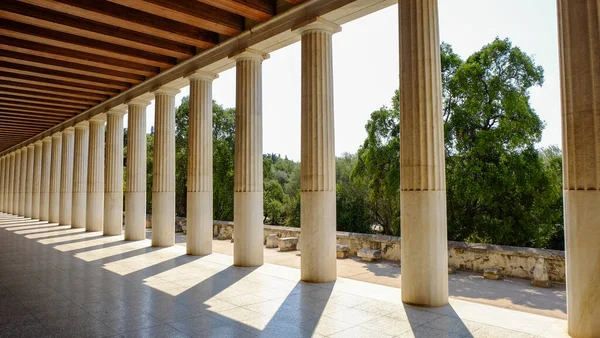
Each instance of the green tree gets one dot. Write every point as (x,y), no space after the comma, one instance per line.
(352,197)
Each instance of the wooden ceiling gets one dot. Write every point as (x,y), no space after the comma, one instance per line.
(59,58)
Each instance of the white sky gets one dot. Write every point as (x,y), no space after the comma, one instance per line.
(366,68)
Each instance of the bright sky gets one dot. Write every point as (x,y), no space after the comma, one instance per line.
(366,68)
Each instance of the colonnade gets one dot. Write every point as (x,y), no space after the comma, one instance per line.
(67,179)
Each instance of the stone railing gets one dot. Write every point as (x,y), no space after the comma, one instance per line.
(514,261)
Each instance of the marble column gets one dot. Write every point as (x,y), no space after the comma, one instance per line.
(80,173)
(8,184)
(37,180)
(163,179)
(579,50)
(23,181)
(66,176)
(248,166)
(29,181)
(55,171)
(135,189)
(317,164)
(422,168)
(113,173)
(199,181)
(46,166)
(2,180)
(17,184)
(11,184)
(94,218)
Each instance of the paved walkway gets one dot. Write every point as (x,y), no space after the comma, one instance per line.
(62,282)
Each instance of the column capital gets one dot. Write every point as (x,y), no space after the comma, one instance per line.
(119,110)
(166,90)
(100,118)
(82,125)
(31,146)
(38,143)
(317,24)
(249,53)
(69,130)
(57,135)
(46,139)
(139,102)
(202,75)
(24,148)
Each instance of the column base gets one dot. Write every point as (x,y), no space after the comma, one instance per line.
(113,213)
(135,216)
(582,244)
(66,208)
(163,219)
(424,243)
(94,218)
(318,231)
(199,223)
(248,236)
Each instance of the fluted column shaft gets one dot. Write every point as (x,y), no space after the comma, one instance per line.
(66,176)
(23,181)
(80,173)
(579,42)
(94,219)
(55,171)
(11,184)
(422,167)
(8,184)
(317,165)
(2,180)
(29,181)
(46,168)
(17,184)
(37,180)
(248,166)
(135,190)
(163,179)
(199,182)
(113,174)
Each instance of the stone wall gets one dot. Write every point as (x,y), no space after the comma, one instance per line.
(514,261)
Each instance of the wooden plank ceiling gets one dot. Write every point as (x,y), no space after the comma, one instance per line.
(59,58)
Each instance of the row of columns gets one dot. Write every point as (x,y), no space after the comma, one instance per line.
(67,179)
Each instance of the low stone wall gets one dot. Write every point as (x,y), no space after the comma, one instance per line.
(514,261)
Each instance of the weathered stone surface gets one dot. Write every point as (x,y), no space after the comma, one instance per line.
(540,274)
(451,270)
(222,234)
(272,241)
(342,251)
(369,255)
(288,243)
(492,273)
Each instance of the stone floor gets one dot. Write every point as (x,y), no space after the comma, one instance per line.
(61,282)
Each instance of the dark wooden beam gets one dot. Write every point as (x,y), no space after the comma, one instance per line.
(121,16)
(50,37)
(75,68)
(66,76)
(39,114)
(190,12)
(35,80)
(17,98)
(36,116)
(33,106)
(70,55)
(259,10)
(32,94)
(50,90)
(44,18)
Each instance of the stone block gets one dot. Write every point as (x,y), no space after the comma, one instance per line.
(540,274)
(492,273)
(451,270)
(369,255)
(272,241)
(222,234)
(342,251)
(288,243)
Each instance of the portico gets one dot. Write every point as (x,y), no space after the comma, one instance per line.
(61,149)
